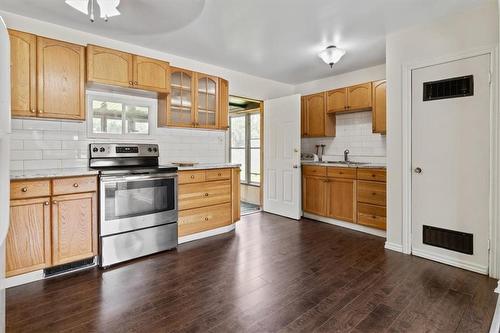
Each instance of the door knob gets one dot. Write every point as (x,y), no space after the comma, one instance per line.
(295,166)
(418,170)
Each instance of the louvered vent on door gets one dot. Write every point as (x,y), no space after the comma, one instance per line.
(448,239)
(449,88)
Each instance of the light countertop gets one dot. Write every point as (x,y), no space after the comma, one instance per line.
(52,173)
(202,166)
(364,165)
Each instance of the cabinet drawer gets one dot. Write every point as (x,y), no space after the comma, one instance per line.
(371,192)
(372,174)
(372,216)
(195,176)
(348,173)
(74,185)
(204,194)
(201,219)
(314,170)
(29,189)
(218,174)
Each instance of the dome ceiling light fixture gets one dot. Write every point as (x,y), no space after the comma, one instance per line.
(331,55)
(108,8)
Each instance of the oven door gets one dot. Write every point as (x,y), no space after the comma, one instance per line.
(136,202)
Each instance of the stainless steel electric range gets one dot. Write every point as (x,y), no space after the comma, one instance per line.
(138,201)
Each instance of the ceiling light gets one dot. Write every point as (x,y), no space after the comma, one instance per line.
(108,8)
(331,55)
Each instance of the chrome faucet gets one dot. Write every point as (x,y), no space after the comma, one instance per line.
(346,155)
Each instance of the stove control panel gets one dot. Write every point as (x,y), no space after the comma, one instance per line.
(110,150)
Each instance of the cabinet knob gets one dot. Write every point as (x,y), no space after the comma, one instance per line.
(341,173)
(24,189)
(373,193)
(219,174)
(374,217)
(136,83)
(192,176)
(40,111)
(75,185)
(206,218)
(33,111)
(46,203)
(206,194)
(54,202)
(131,83)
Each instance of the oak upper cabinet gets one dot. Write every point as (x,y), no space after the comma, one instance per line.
(28,243)
(206,111)
(223,104)
(151,74)
(23,73)
(359,97)
(61,79)
(315,121)
(180,112)
(314,194)
(47,77)
(379,112)
(108,66)
(336,100)
(303,117)
(74,226)
(341,199)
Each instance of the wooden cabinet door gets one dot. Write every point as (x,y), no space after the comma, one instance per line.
(74,227)
(61,79)
(151,74)
(336,100)
(379,107)
(303,117)
(206,115)
(28,239)
(180,112)
(109,66)
(236,194)
(223,104)
(313,195)
(23,73)
(359,97)
(315,106)
(341,199)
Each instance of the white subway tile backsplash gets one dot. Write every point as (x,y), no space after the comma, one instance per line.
(42,144)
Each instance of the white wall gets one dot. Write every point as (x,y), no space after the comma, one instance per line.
(240,84)
(476,28)
(354,130)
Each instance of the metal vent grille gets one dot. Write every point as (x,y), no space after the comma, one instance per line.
(449,88)
(66,268)
(448,239)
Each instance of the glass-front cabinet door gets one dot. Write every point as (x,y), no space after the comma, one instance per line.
(181,98)
(207,101)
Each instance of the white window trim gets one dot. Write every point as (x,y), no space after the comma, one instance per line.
(126,99)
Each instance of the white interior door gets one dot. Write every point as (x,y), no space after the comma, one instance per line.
(451,146)
(282,156)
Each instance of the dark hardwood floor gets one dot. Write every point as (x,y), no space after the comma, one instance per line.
(272,274)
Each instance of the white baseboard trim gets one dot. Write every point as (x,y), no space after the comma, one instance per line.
(451,261)
(394,247)
(495,323)
(205,234)
(347,225)
(23,278)
(497,290)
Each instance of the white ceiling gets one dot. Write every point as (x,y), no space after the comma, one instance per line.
(275,39)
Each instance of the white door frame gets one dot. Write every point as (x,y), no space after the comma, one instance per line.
(494,220)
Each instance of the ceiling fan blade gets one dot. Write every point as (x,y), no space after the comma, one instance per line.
(80,5)
(108,8)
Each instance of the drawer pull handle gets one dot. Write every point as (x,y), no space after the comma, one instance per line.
(341,173)
(192,176)
(75,185)
(24,189)
(373,175)
(374,217)
(373,193)
(46,203)
(206,194)
(206,218)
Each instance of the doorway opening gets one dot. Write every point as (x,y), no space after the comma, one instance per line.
(245,124)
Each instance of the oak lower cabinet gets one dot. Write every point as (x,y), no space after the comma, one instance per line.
(52,222)
(356,195)
(208,199)
(28,243)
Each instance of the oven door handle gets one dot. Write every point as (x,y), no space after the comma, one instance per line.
(132,178)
